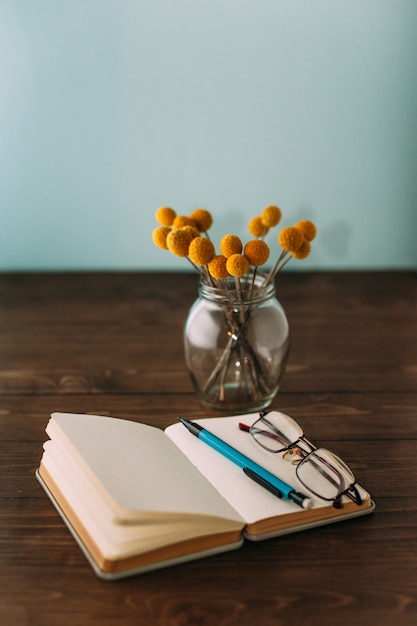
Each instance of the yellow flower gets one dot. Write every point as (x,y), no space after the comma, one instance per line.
(182,220)
(303,251)
(237,265)
(201,251)
(194,232)
(257,252)
(217,267)
(290,238)
(308,229)
(271,216)
(256,228)
(160,235)
(178,242)
(165,216)
(202,218)
(230,244)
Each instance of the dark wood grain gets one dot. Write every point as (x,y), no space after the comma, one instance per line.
(111,343)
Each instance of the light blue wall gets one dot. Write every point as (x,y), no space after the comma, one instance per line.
(112,108)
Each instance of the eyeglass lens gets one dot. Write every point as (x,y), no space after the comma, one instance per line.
(276,431)
(323,473)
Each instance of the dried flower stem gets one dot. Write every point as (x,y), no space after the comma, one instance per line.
(196,267)
(236,329)
(240,299)
(252,283)
(220,363)
(274,269)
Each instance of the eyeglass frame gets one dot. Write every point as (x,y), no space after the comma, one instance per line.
(351,491)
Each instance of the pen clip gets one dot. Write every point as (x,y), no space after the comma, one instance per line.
(261,481)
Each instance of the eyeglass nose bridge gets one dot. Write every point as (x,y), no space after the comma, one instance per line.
(293,454)
(298,450)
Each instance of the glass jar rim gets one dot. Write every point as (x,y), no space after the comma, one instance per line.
(248,293)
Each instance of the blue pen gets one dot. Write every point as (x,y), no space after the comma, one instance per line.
(256,472)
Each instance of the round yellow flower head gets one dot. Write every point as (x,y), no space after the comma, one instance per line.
(308,229)
(290,238)
(178,242)
(256,228)
(194,232)
(257,252)
(182,220)
(203,219)
(237,265)
(201,251)
(165,216)
(271,216)
(217,267)
(160,235)
(303,251)
(230,244)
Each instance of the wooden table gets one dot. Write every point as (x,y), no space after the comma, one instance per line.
(112,344)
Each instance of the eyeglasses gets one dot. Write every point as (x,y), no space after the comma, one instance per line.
(319,470)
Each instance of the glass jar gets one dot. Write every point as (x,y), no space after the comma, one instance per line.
(236,343)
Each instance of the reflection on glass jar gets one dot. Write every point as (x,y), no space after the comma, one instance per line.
(236,346)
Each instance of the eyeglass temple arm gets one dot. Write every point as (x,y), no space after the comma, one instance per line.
(355,496)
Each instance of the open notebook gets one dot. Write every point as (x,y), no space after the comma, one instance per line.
(138,498)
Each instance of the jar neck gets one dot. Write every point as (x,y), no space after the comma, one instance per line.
(248,293)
